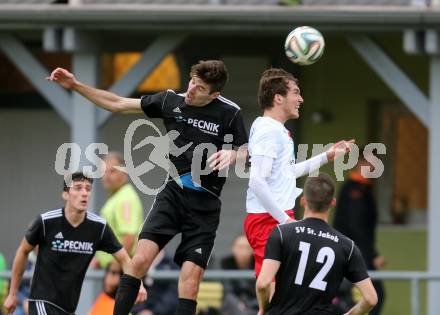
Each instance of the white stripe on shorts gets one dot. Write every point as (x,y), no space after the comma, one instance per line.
(41,308)
(37,305)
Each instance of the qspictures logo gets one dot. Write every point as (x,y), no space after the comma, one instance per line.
(164,145)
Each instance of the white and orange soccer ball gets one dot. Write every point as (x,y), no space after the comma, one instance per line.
(304,45)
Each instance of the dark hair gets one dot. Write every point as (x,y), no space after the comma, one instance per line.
(319,192)
(69,179)
(273,81)
(212,72)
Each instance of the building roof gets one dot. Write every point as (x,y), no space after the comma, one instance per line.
(363,2)
(231,2)
(216,18)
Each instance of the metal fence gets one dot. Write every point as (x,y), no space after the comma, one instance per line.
(414,277)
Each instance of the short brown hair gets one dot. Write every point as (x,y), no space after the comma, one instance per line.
(273,81)
(319,192)
(212,72)
(69,179)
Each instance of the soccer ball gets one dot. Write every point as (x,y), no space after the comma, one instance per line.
(304,45)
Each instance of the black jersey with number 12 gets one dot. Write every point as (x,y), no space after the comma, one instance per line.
(314,259)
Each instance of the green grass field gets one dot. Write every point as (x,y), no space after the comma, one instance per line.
(404,249)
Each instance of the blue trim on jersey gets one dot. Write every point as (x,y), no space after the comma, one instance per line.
(187,182)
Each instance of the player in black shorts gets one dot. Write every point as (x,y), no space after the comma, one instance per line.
(67,239)
(309,259)
(199,116)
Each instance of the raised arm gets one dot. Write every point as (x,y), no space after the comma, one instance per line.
(18,268)
(340,148)
(308,166)
(368,300)
(101,98)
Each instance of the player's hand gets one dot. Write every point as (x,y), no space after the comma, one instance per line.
(142,295)
(339,149)
(222,159)
(379,262)
(10,303)
(63,78)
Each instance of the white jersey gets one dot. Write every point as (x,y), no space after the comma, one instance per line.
(269,138)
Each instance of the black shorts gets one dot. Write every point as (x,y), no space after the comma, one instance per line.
(193,213)
(45,308)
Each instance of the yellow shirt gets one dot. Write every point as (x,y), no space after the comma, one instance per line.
(123,212)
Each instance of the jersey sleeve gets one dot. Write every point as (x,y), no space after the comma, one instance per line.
(260,170)
(109,243)
(356,269)
(238,130)
(153,104)
(263,143)
(35,233)
(274,245)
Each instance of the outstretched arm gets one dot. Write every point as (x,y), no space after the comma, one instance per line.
(308,166)
(104,99)
(18,268)
(340,148)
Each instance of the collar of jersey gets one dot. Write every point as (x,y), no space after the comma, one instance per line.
(274,122)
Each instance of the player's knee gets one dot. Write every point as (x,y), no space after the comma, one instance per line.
(140,263)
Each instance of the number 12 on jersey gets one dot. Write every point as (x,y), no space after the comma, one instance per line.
(317,282)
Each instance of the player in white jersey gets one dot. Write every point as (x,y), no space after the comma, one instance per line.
(272,185)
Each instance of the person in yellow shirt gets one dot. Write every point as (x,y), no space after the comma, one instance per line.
(123,209)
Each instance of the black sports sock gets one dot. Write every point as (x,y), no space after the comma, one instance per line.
(186,307)
(126,294)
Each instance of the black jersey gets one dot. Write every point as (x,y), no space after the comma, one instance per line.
(197,125)
(314,259)
(64,254)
